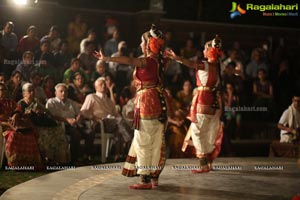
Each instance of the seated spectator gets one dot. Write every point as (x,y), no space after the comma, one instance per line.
(231,101)
(14,86)
(39,94)
(2,78)
(62,58)
(78,90)
(127,105)
(8,45)
(176,129)
(289,123)
(75,67)
(26,67)
(53,38)
(283,85)
(122,73)
(87,58)
(3,55)
(98,106)
(185,95)
(110,85)
(188,51)
(66,110)
(9,39)
(262,88)
(233,57)
(263,92)
(48,86)
(29,42)
(7,106)
(101,71)
(76,31)
(52,141)
(255,64)
(90,38)
(111,45)
(230,75)
(21,145)
(173,76)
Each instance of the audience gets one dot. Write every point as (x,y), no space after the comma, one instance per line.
(26,67)
(52,60)
(29,42)
(67,111)
(98,106)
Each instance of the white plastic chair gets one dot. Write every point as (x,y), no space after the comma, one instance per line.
(105,142)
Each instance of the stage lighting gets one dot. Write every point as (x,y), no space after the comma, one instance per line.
(20,2)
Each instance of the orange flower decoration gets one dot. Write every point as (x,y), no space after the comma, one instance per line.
(155,44)
(214,53)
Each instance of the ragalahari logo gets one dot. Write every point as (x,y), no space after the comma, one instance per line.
(236,10)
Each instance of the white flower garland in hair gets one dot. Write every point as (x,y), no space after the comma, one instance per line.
(216,42)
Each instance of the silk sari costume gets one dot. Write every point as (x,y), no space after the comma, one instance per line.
(206,129)
(150,116)
(146,156)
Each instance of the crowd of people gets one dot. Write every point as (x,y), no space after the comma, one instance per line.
(53,89)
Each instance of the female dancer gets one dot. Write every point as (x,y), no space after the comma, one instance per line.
(146,156)
(205,129)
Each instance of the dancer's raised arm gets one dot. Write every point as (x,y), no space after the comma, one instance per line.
(137,62)
(189,63)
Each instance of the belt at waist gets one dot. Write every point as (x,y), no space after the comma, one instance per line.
(204,88)
(159,89)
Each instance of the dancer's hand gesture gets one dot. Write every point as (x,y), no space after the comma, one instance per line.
(169,53)
(99,55)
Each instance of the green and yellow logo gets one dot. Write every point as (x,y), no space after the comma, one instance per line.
(266,10)
(236,10)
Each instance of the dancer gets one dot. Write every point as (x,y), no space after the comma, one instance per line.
(205,129)
(146,156)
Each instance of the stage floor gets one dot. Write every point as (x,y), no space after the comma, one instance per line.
(232,179)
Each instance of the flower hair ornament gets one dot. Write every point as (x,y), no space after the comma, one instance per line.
(216,42)
(215,45)
(156,40)
(155,32)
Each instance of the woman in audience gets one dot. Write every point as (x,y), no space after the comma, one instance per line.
(26,67)
(110,84)
(263,92)
(21,145)
(44,131)
(14,86)
(48,86)
(231,101)
(29,42)
(185,95)
(78,90)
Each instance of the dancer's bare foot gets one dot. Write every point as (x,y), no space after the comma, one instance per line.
(154,182)
(141,186)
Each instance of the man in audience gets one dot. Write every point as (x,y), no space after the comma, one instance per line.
(111,45)
(98,106)
(67,111)
(75,67)
(90,38)
(9,39)
(289,123)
